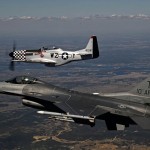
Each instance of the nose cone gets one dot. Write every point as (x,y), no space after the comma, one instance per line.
(11,54)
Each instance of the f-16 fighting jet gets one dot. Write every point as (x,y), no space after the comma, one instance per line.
(56,56)
(119,110)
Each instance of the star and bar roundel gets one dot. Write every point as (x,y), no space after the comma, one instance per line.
(65,56)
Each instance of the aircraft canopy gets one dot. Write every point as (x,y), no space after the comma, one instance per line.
(22,80)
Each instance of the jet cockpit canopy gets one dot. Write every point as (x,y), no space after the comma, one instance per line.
(22,80)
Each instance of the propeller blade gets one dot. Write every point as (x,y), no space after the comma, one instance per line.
(12,66)
(14,46)
(12,63)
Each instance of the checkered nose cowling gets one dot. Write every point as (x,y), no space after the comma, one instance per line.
(19,55)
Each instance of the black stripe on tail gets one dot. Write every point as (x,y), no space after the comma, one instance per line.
(95,47)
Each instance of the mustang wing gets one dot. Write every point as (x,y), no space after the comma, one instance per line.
(42,60)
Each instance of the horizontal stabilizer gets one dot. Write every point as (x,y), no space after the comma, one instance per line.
(142,122)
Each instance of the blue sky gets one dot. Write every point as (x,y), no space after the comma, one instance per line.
(72,8)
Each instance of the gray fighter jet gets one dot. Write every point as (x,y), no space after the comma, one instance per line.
(56,56)
(119,110)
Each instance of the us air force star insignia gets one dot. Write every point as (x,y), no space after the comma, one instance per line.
(65,56)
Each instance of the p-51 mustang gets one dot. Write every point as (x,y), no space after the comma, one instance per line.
(56,56)
(119,110)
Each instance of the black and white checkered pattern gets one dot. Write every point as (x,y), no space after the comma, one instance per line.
(19,55)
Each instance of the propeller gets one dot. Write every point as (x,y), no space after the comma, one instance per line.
(11,54)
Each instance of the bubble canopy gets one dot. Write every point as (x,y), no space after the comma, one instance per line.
(22,80)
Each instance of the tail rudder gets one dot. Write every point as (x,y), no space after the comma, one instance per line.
(92,47)
(142,89)
(91,50)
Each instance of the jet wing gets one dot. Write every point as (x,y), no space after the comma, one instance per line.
(55,112)
(142,121)
(87,108)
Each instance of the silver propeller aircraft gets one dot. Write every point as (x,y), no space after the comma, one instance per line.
(56,56)
(119,110)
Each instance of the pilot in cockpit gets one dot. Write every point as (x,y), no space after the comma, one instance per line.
(22,80)
(44,48)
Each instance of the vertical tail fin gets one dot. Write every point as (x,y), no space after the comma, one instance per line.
(92,47)
(91,50)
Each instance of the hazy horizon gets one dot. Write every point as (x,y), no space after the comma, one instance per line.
(107,26)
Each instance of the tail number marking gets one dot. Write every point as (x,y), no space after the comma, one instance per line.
(143,91)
